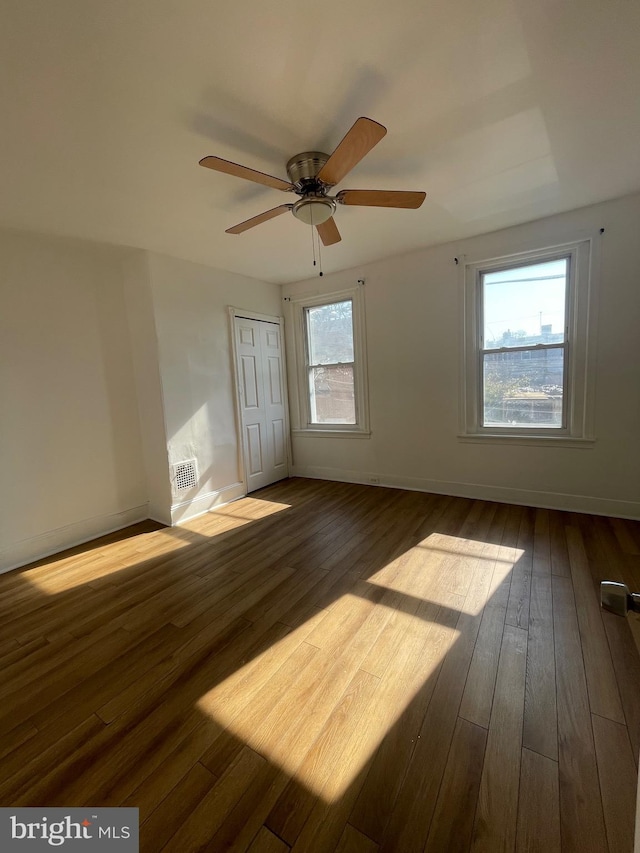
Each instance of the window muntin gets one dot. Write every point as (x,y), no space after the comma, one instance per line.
(329,338)
(523,338)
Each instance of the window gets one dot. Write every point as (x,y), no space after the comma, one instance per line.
(523,342)
(526,354)
(329,340)
(329,355)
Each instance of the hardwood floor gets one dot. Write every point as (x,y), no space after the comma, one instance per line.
(332,667)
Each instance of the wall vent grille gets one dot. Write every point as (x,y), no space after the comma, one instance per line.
(185,475)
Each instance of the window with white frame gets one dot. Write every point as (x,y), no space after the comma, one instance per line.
(330,360)
(527,345)
(329,352)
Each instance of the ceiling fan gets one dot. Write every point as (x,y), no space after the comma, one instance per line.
(312,174)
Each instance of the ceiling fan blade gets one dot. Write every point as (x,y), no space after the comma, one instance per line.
(256,220)
(362,137)
(220,165)
(382,198)
(328,232)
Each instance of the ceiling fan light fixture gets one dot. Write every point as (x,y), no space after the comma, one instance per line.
(314,210)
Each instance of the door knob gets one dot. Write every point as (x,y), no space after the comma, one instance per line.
(617,598)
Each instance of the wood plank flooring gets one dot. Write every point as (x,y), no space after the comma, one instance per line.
(332,667)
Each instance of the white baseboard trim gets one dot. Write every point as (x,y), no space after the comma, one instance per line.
(476,491)
(45,544)
(186,510)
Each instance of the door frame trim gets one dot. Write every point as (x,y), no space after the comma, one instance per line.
(235,313)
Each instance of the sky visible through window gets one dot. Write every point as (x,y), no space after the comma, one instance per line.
(524,299)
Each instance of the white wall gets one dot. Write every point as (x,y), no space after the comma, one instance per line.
(114,363)
(190,304)
(414,326)
(70,449)
(144,342)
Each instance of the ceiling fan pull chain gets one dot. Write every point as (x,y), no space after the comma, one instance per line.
(313,244)
(315,237)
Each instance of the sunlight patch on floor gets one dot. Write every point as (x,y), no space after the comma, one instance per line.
(251,509)
(443,564)
(343,709)
(100,562)
(462,547)
(232,516)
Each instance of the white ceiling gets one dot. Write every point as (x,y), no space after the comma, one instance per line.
(502,110)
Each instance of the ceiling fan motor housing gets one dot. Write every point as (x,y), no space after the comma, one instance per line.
(315,207)
(303,169)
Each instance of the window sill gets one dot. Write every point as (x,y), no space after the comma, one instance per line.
(331,433)
(527,440)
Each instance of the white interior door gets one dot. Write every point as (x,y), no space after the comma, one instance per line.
(262,401)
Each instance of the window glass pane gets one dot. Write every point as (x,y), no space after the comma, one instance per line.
(330,333)
(332,394)
(524,306)
(523,389)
